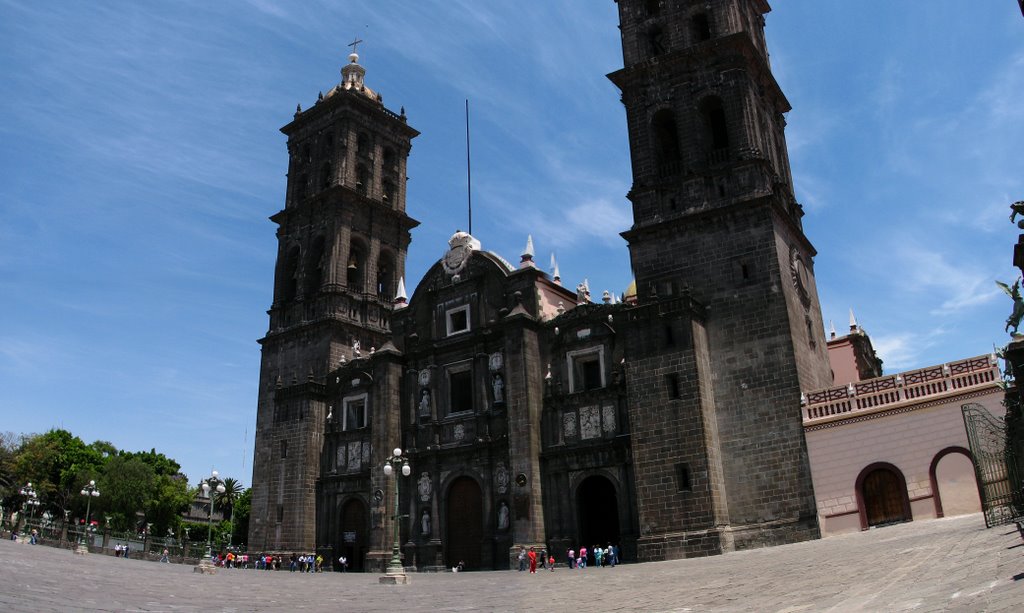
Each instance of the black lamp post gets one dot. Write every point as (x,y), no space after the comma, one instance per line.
(395,573)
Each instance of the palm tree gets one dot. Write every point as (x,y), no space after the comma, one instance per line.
(232,490)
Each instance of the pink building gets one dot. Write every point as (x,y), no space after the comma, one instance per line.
(893,448)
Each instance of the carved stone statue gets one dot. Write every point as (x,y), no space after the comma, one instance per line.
(1013,321)
(1017,208)
(425,523)
(498,386)
(424,402)
(503,516)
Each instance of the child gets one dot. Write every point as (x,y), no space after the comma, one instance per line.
(551,563)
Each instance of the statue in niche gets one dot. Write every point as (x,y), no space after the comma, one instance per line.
(498,386)
(424,402)
(503,516)
(425,523)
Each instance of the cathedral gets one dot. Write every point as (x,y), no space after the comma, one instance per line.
(529,414)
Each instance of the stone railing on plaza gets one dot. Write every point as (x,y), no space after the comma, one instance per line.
(892,391)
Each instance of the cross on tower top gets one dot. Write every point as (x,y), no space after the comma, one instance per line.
(354,44)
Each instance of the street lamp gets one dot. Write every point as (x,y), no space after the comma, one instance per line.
(89,491)
(396,572)
(31,502)
(209,485)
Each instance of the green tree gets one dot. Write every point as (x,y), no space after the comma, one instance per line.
(170,497)
(58,464)
(240,517)
(226,500)
(127,485)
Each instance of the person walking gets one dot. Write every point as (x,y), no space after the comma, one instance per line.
(164,558)
(533,560)
(522,558)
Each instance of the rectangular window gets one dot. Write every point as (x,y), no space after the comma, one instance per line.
(683,477)
(460,390)
(457,320)
(280,513)
(673,385)
(284,449)
(586,369)
(354,417)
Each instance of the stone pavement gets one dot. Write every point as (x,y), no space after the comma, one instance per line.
(943,565)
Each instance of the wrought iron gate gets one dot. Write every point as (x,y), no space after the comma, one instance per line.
(994,468)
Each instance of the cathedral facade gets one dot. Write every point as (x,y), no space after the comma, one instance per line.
(668,424)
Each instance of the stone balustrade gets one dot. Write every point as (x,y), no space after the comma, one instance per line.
(892,391)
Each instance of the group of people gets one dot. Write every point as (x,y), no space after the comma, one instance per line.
(608,556)
(121,551)
(533,558)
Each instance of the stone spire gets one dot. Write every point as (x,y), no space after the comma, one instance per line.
(401,299)
(527,255)
(555,275)
(832,328)
(853,321)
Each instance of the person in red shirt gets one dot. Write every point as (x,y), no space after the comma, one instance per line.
(533,560)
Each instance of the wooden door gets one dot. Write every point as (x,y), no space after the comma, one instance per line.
(464,524)
(884,498)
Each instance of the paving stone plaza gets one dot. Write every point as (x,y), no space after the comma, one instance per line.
(944,565)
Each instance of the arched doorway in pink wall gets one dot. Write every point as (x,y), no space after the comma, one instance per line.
(953,483)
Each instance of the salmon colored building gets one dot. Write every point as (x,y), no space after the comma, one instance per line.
(888,449)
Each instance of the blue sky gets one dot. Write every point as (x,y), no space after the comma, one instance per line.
(141,158)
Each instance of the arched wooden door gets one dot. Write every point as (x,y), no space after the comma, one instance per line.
(598,512)
(464,524)
(885,497)
(354,537)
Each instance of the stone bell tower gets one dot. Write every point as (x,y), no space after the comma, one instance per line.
(342,241)
(723,266)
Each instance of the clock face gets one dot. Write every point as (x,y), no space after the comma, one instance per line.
(801,276)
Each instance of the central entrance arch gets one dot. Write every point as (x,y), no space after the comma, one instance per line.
(354,535)
(882,494)
(464,524)
(597,510)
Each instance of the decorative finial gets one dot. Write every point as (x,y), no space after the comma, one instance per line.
(298,109)
(853,321)
(832,328)
(556,276)
(320,97)
(606,297)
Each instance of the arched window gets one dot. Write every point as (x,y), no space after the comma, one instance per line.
(386,277)
(355,266)
(388,162)
(656,40)
(325,175)
(666,139)
(328,144)
(290,274)
(701,27)
(389,192)
(716,129)
(363,144)
(362,179)
(315,266)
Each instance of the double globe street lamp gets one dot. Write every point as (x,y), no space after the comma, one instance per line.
(90,491)
(31,502)
(209,485)
(395,573)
